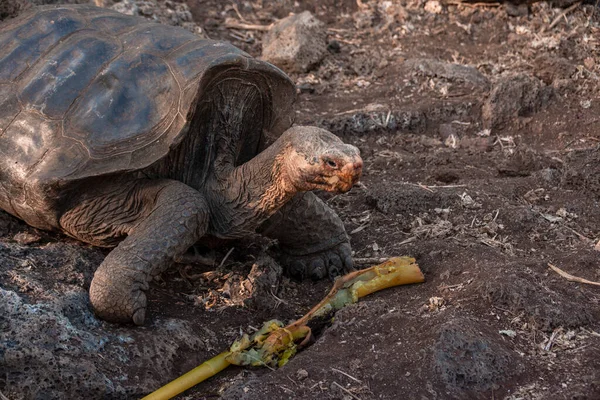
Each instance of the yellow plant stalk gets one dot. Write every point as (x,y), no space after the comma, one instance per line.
(274,344)
(200,373)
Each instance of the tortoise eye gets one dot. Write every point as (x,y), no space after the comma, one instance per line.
(331,163)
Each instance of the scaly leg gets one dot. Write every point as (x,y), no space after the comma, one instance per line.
(312,236)
(161,219)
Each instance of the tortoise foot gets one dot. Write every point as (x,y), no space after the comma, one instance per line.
(120,299)
(330,263)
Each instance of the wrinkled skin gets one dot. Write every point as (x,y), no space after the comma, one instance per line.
(161,219)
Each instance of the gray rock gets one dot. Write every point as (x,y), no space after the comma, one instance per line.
(12,8)
(517,10)
(514,96)
(42,352)
(53,347)
(446,131)
(448,71)
(296,43)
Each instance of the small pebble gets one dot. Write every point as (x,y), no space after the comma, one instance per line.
(334,46)
(301,374)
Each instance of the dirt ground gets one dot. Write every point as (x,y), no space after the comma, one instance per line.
(484,175)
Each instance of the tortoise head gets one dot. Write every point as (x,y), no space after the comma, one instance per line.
(317,159)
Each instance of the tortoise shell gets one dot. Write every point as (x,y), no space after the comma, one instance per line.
(88,92)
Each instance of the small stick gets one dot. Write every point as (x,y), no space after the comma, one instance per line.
(563,14)
(291,380)
(346,391)
(362,5)
(3,397)
(579,235)
(360,228)
(446,186)
(450,286)
(369,260)
(237,11)
(280,301)
(352,42)
(287,389)
(548,345)
(594,10)
(407,241)
(348,375)
(425,187)
(249,27)
(579,348)
(593,333)
(337,30)
(428,187)
(472,5)
(570,277)
(225,258)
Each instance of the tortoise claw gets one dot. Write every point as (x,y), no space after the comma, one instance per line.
(330,263)
(119,298)
(139,316)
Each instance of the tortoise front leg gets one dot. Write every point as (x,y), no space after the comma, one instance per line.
(171,218)
(312,238)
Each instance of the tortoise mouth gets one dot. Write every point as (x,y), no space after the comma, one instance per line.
(338,182)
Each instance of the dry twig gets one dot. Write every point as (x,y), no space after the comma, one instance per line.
(425,187)
(369,260)
(225,258)
(232,24)
(548,345)
(430,188)
(570,277)
(346,391)
(407,241)
(562,15)
(345,374)
(360,228)
(472,5)
(237,11)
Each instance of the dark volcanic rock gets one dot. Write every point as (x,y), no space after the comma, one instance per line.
(466,359)
(514,96)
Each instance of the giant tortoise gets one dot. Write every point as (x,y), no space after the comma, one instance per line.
(122,132)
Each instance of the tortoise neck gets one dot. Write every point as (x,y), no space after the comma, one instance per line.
(266,180)
(258,188)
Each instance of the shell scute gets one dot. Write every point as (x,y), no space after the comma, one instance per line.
(125,107)
(161,39)
(68,70)
(9,105)
(26,44)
